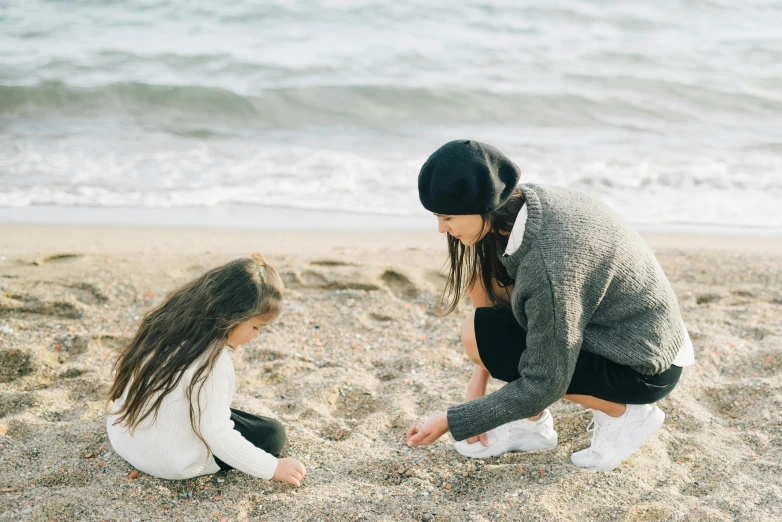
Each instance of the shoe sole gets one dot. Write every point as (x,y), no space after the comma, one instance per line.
(542,444)
(654,422)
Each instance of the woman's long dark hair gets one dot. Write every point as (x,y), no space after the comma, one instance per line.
(191,326)
(482,260)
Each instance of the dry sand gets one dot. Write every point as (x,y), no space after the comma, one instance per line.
(355,358)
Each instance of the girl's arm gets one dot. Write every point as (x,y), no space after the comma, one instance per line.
(217,430)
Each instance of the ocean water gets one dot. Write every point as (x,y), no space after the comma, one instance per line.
(669,111)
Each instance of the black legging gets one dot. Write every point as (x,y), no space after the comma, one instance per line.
(501,341)
(263,432)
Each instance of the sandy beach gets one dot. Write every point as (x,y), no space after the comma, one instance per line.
(357,355)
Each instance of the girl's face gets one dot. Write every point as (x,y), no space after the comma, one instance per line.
(466,228)
(245,332)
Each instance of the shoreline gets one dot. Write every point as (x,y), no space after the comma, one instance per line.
(260,217)
(103,239)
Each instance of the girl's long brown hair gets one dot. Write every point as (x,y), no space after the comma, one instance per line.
(482,259)
(190,327)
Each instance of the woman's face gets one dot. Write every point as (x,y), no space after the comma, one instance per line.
(466,228)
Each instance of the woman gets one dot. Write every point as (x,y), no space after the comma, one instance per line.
(569,303)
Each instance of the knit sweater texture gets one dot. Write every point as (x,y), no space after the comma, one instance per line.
(584,280)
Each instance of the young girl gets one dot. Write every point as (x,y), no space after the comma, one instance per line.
(569,303)
(175,381)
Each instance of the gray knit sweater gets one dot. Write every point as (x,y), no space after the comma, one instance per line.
(584,280)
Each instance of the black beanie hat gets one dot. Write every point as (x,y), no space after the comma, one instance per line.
(466,177)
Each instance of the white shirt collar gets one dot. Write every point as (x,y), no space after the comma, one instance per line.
(517,233)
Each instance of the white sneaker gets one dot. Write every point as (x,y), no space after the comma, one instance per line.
(520,435)
(614,439)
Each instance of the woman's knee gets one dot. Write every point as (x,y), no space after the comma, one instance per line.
(469,342)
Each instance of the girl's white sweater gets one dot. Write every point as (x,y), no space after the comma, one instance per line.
(168,448)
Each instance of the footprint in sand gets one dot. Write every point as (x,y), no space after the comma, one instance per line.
(736,400)
(50,298)
(82,292)
(56,258)
(291,280)
(400,285)
(380,317)
(74,478)
(436,278)
(312,278)
(22,429)
(86,389)
(385,375)
(70,373)
(14,364)
(766,363)
(87,293)
(11,403)
(26,304)
(391,472)
(278,372)
(331,262)
(252,356)
(108,342)
(334,432)
(650,512)
(354,403)
(703,299)
(306,279)
(390,370)
(74,345)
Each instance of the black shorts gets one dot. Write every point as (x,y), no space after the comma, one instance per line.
(263,432)
(501,341)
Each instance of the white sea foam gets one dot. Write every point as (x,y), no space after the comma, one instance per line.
(646,191)
(334,105)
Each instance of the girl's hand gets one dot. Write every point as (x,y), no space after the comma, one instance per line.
(431,430)
(290,470)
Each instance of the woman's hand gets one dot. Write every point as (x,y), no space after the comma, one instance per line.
(476,389)
(290,470)
(428,432)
